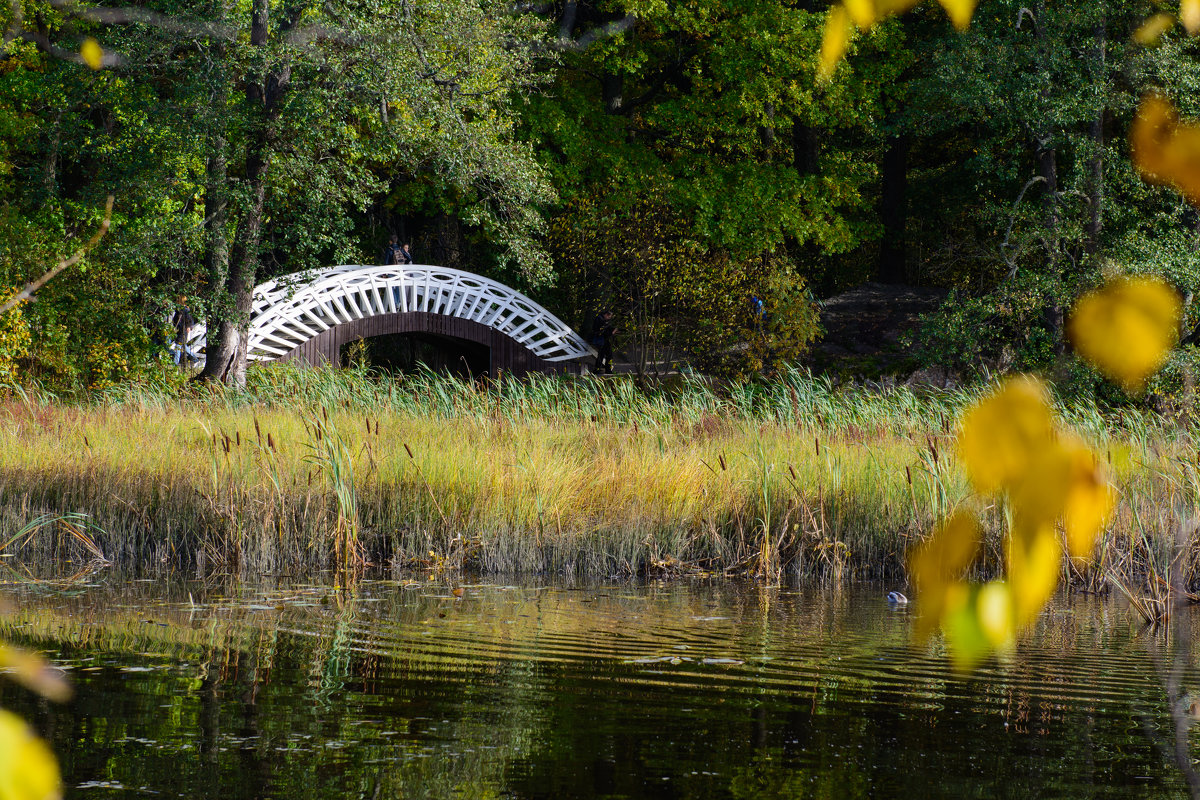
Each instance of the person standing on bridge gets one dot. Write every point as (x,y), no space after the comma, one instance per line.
(392,254)
(406,256)
(182,320)
(602,339)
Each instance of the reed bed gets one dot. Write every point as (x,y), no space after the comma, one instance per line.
(316,469)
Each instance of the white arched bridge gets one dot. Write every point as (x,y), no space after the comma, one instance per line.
(309,316)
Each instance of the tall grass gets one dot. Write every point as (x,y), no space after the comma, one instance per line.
(308,469)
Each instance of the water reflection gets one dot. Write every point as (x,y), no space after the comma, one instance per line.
(403,689)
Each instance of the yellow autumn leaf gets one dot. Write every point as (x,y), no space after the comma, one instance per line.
(936,564)
(959,12)
(91,53)
(1066,482)
(1189,15)
(978,622)
(835,42)
(1152,30)
(1034,562)
(967,642)
(1164,149)
(994,608)
(1089,504)
(862,12)
(1004,432)
(1127,328)
(28,770)
(34,673)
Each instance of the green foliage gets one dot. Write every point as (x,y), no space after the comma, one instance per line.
(1000,331)
(673,297)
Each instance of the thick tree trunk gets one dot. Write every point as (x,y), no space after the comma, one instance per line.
(1047,158)
(216,259)
(893,212)
(226,359)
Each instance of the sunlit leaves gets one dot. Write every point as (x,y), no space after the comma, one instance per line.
(1034,563)
(1004,433)
(977,621)
(1127,328)
(1065,482)
(91,53)
(28,770)
(866,14)
(1164,149)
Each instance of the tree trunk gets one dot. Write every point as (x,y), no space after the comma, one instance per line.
(806,148)
(226,359)
(612,86)
(50,169)
(893,211)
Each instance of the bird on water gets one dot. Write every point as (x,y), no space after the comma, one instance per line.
(897,599)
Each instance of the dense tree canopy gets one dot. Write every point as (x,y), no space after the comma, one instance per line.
(669,160)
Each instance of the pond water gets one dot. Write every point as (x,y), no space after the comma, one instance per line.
(395,689)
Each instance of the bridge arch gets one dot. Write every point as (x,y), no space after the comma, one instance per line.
(308,316)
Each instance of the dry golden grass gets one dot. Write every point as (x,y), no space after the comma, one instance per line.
(551,476)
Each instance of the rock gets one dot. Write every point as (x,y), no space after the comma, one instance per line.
(932,378)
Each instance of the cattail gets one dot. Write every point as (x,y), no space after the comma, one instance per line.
(791,469)
(270,442)
(257,432)
(238,437)
(908,475)
(817,442)
(408,450)
(721,461)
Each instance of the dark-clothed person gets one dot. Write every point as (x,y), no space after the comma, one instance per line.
(602,339)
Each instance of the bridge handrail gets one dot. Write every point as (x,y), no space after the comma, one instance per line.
(289,310)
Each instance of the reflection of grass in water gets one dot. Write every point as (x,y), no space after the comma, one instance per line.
(588,476)
(499,672)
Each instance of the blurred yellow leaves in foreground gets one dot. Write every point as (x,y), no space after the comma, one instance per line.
(28,770)
(1010,445)
(1127,328)
(1013,449)
(91,53)
(1165,149)
(864,15)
